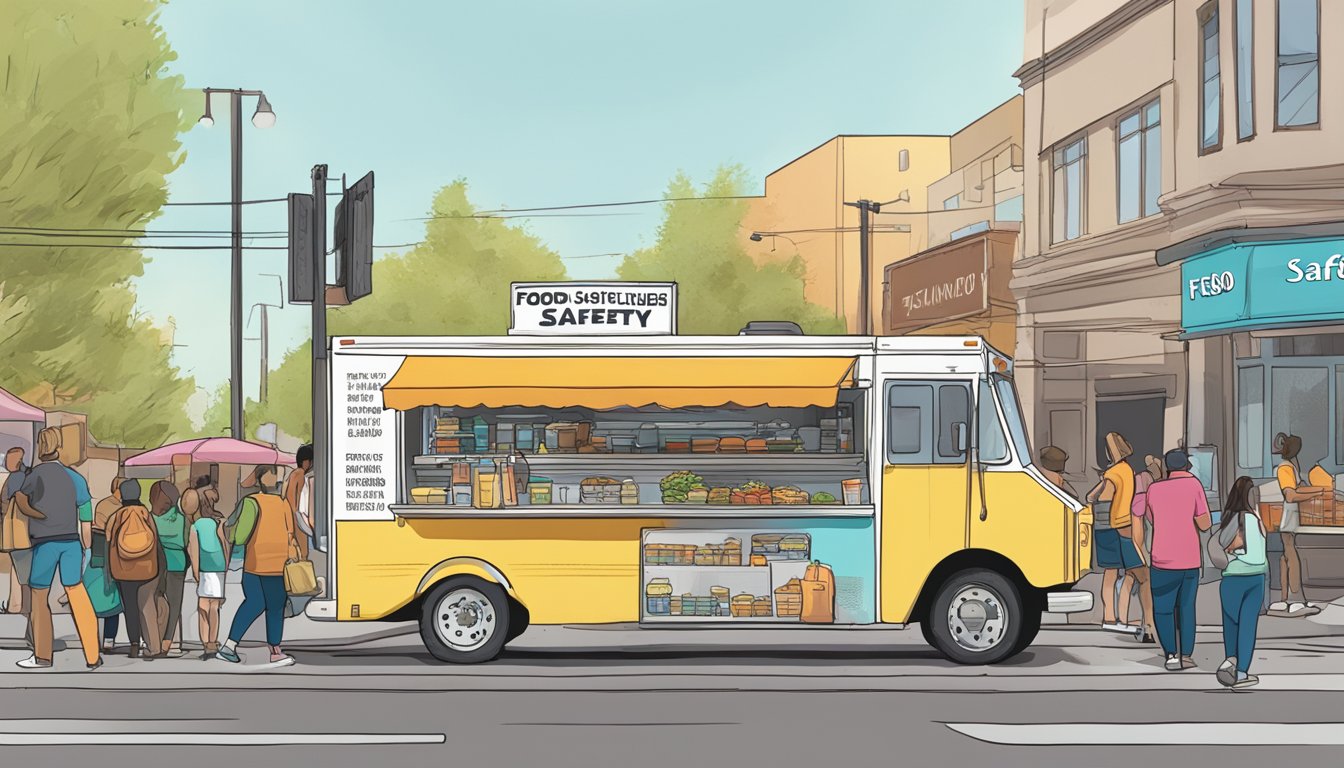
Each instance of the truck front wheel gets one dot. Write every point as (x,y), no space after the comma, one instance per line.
(465,620)
(976,618)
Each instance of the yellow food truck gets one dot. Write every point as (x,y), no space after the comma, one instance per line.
(480,485)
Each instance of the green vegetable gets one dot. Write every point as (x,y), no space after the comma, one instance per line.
(822,497)
(681,482)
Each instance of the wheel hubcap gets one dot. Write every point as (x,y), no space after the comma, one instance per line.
(977,618)
(465,619)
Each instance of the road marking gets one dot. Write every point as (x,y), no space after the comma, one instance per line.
(1155,734)
(216,739)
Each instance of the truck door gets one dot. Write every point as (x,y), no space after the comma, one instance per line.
(925,490)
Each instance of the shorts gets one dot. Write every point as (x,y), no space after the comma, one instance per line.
(1114,550)
(67,557)
(210,585)
(1291,520)
(23,564)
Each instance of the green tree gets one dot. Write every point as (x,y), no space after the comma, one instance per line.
(455,282)
(720,287)
(89,122)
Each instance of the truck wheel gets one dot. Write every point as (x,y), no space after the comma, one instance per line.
(465,620)
(1031,626)
(977,618)
(519,619)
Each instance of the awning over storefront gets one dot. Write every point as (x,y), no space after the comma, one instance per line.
(614,382)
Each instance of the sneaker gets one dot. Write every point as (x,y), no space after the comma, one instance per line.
(1247,682)
(1297,609)
(32,662)
(95,664)
(227,654)
(1188,663)
(1227,672)
(1148,639)
(1116,626)
(1173,664)
(281,660)
(175,653)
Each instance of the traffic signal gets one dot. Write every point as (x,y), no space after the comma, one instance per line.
(354,239)
(300,248)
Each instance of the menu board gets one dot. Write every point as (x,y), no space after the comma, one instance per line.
(363,437)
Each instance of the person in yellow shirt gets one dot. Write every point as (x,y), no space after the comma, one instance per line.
(1295,491)
(1112,500)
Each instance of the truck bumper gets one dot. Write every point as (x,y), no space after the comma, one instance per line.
(320,610)
(1073,601)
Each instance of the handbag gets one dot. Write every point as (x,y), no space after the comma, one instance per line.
(14,528)
(300,578)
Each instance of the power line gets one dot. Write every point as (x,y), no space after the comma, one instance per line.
(241,202)
(138,232)
(599,205)
(95,235)
(123,247)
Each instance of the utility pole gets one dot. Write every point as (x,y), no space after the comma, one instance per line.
(321,472)
(866,207)
(236,268)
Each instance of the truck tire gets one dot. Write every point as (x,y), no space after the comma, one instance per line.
(519,619)
(465,620)
(1031,627)
(977,617)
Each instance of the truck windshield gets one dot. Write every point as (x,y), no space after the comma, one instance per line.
(1012,412)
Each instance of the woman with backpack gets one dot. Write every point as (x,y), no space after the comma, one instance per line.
(1239,549)
(134,560)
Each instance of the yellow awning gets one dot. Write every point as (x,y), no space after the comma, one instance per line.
(614,382)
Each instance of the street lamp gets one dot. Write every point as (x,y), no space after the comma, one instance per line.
(756,237)
(264,117)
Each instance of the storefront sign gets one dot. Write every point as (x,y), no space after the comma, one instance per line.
(1263,285)
(363,437)
(938,287)
(597,309)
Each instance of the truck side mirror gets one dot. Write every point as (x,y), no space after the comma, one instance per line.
(960,436)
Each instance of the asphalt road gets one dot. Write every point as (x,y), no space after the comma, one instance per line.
(609,707)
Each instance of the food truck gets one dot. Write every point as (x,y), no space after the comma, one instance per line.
(482,484)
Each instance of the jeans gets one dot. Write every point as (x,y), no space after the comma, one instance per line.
(141,608)
(110,626)
(1241,596)
(1174,609)
(261,594)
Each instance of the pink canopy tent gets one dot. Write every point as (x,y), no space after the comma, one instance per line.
(14,409)
(212,450)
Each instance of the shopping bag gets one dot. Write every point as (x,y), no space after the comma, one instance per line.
(300,579)
(13,528)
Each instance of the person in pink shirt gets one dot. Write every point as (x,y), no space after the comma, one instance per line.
(1177,510)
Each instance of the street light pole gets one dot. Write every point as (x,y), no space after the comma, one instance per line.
(264,117)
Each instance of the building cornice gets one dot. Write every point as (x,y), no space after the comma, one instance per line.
(1034,71)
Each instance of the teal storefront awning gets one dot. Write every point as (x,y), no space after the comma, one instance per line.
(1277,284)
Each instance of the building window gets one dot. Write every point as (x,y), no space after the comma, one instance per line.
(1140,158)
(1009,210)
(1210,75)
(967,231)
(1245,61)
(952,203)
(1298,59)
(1251,443)
(903,160)
(1070,166)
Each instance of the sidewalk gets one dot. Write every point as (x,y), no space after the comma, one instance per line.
(300,631)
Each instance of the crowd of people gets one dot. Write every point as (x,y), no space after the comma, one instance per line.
(125,561)
(1148,537)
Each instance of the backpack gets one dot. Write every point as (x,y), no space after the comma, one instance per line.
(1222,539)
(242,522)
(136,537)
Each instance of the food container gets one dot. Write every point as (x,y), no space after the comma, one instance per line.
(539,490)
(709,554)
(852,491)
(697,496)
(789,599)
(756,445)
(758,560)
(621,443)
(719,496)
(732,552)
(704,445)
(525,437)
(789,494)
(486,490)
(678,445)
(429,496)
(741,606)
(647,439)
(794,546)
(721,595)
(675,605)
(462,498)
(811,439)
(760,607)
(600,490)
(766,543)
(481,432)
(629,491)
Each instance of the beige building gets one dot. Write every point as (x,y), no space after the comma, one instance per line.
(957,283)
(804,202)
(1186,173)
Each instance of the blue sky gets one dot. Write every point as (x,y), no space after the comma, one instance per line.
(538,103)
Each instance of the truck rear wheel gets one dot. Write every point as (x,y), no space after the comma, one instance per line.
(976,618)
(465,620)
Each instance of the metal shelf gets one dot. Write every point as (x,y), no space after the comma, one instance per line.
(704,511)
(721,620)
(671,461)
